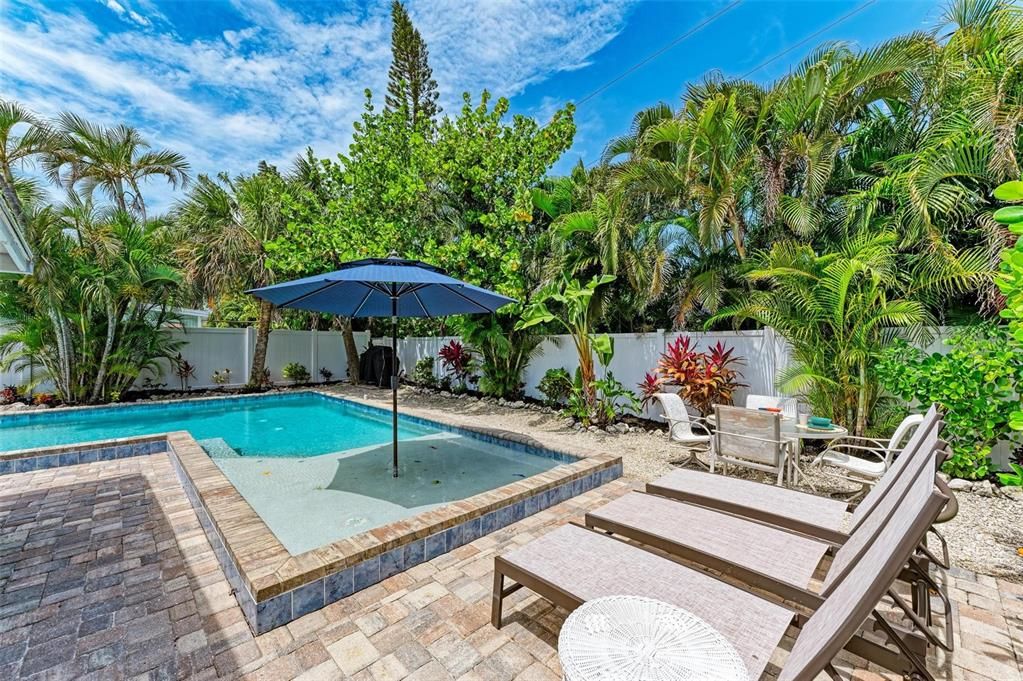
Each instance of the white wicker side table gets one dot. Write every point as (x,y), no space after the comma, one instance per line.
(629,638)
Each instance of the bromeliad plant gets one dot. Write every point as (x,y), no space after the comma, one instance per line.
(703,378)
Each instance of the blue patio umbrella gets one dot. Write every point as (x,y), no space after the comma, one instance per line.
(381,287)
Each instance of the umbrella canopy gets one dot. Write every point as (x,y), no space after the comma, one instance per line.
(382,287)
(365,288)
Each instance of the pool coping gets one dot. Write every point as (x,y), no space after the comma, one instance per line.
(273,586)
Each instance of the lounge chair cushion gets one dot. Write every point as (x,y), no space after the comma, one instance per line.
(781,555)
(755,496)
(589,565)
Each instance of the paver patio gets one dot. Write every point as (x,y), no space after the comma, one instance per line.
(105,573)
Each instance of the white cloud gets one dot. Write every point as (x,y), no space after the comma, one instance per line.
(277,81)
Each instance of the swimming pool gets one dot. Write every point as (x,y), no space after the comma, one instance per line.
(296,425)
(294,491)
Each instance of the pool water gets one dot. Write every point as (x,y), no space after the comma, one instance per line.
(286,426)
(315,469)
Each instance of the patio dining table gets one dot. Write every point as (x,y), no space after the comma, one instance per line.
(795,433)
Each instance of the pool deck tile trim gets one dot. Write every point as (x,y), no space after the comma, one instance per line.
(274,587)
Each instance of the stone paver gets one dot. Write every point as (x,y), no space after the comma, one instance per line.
(105,573)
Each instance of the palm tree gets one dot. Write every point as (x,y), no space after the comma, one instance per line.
(840,309)
(20,149)
(226,225)
(117,160)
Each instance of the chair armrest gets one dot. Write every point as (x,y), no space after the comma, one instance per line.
(694,421)
(882,454)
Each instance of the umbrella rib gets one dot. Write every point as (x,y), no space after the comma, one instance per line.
(415,293)
(311,293)
(369,292)
(462,295)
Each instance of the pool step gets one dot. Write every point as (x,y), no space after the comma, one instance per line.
(217,448)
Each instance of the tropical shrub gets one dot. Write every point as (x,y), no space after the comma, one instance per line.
(184,370)
(326,374)
(1010,277)
(975,383)
(577,317)
(1013,479)
(221,376)
(295,372)
(703,378)
(456,359)
(422,374)
(556,386)
(611,400)
(504,353)
(9,394)
(45,399)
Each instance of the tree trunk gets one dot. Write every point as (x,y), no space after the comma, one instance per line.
(101,372)
(351,351)
(861,403)
(266,309)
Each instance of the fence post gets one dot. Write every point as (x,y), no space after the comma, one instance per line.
(247,342)
(314,369)
(661,333)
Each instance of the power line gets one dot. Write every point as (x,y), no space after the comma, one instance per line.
(836,22)
(658,53)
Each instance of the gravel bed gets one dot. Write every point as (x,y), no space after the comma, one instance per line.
(985,537)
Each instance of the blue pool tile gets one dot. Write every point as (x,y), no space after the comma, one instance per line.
(504,516)
(413,553)
(28,463)
(274,612)
(69,458)
(454,537)
(307,598)
(158,447)
(122,451)
(392,562)
(6,466)
(518,510)
(532,504)
(471,530)
(89,456)
(367,573)
(339,585)
(435,546)
(107,454)
(488,523)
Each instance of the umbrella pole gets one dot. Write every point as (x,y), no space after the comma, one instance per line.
(394,380)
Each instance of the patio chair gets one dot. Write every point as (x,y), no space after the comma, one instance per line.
(864,460)
(750,438)
(789,406)
(774,560)
(790,509)
(571,565)
(681,424)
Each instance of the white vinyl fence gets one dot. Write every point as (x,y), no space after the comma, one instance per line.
(762,352)
(211,349)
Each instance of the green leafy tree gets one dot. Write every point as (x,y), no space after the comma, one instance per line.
(411,89)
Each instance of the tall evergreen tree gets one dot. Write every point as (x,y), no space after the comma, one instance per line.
(410,79)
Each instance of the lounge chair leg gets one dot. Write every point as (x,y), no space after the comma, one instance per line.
(497,601)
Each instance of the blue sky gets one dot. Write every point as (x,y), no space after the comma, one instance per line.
(230,83)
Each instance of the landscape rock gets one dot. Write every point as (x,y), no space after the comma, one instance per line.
(14,406)
(984,488)
(568,423)
(516,405)
(960,485)
(1014,493)
(445,393)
